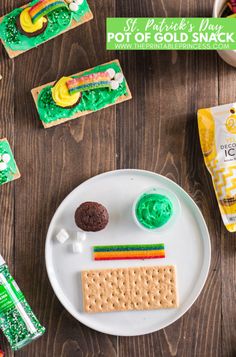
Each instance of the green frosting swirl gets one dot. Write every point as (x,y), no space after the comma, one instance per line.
(91,100)
(58,21)
(153,210)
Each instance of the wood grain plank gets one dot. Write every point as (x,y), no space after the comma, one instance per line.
(53,163)
(7,228)
(161,132)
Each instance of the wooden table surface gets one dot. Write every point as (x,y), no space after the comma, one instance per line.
(155,131)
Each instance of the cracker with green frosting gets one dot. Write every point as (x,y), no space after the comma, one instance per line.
(91,100)
(59,21)
(8,168)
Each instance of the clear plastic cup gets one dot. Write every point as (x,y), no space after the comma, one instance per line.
(164,192)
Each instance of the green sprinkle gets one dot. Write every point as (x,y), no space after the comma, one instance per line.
(12,322)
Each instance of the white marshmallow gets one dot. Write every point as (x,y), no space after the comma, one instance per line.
(3,166)
(79,2)
(114,85)
(6,158)
(73,7)
(81,236)
(111,72)
(119,77)
(62,236)
(77,247)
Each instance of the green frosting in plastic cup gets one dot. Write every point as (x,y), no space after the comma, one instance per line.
(153,210)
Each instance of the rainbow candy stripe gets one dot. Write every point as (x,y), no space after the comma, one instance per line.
(89,82)
(43,7)
(130,251)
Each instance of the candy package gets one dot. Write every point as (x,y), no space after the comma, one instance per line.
(217,131)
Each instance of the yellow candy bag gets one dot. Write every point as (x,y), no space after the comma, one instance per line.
(217,131)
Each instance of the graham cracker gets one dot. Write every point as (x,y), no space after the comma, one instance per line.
(123,289)
(87,17)
(17,174)
(35,93)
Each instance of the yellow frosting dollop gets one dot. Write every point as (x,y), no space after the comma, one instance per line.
(61,95)
(27,24)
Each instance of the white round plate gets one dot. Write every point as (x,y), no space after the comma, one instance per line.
(187,245)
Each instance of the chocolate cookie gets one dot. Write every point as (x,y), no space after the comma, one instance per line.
(91,216)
